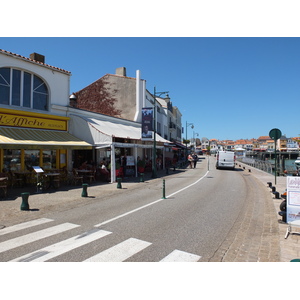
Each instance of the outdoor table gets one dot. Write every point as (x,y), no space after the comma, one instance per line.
(84,173)
(22,175)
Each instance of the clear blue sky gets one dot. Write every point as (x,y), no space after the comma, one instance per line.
(229,88)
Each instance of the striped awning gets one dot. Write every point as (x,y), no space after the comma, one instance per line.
(18,138)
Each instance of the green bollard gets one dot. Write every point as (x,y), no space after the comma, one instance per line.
(84,190)
(25,205)
(119,185)
(164,190)
(141,177)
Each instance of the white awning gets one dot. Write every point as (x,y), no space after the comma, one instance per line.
(100,133)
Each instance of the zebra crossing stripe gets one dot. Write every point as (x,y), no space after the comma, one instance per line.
(62,247)
(25,225)
(181,256)
(120,252)
(35,236)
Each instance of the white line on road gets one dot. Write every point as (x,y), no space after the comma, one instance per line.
(149,204)
(62,247)
(120,252)
(35,236)
(25,225)
(181,256)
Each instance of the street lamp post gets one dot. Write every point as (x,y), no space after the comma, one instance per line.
(195,134)
(154,170)
(186,127)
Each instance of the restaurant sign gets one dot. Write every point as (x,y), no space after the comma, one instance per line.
(38,121)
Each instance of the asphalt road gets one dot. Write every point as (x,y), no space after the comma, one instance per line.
(200,215)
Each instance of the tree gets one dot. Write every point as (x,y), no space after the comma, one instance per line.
(98,97)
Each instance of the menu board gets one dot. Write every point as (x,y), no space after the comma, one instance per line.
(293,199)
(38,169)
(130,161)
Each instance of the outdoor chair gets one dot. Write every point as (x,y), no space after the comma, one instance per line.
(92,176)
(76,178)
(16,180)
(3,185)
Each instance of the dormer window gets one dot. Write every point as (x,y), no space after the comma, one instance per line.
(21,88)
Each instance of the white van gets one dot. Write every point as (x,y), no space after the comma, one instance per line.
(226,160)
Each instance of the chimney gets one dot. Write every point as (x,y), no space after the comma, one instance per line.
(121,71)
(37,57)
(73,101)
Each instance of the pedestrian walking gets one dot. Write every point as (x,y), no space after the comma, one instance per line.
(195,159)
(190,159)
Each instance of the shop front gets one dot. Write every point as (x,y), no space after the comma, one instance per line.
(117,142)
(31,139)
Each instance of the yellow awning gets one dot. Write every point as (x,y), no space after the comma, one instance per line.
(18,138)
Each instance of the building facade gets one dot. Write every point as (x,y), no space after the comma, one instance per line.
(32,131)
(127,96)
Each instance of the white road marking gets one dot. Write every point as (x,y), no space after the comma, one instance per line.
(62,247)
(149,204)
(25,225)
(120,252)
(181,256)
(35,236)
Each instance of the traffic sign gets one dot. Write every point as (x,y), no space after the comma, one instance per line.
(275,134)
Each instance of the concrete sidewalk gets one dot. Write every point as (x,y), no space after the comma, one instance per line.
(290,247)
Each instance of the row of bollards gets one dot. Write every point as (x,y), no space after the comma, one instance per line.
(84,193)
(25,197)
(282,206)
(273,189)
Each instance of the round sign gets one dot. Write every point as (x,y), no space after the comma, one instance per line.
(275,134)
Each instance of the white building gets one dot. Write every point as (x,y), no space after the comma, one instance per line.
(33,132)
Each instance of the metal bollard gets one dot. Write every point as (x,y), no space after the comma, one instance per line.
(273,189)
(84,190)
(283,215)
(276,195)
(25,205)
(119,185)
(164,190)
(269,184)
(141,177)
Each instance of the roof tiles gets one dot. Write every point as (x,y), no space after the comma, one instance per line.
(33,61)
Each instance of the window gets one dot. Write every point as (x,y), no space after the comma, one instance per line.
(32,158)
(12,160)
(20,88)
(4,85)
(49,159)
